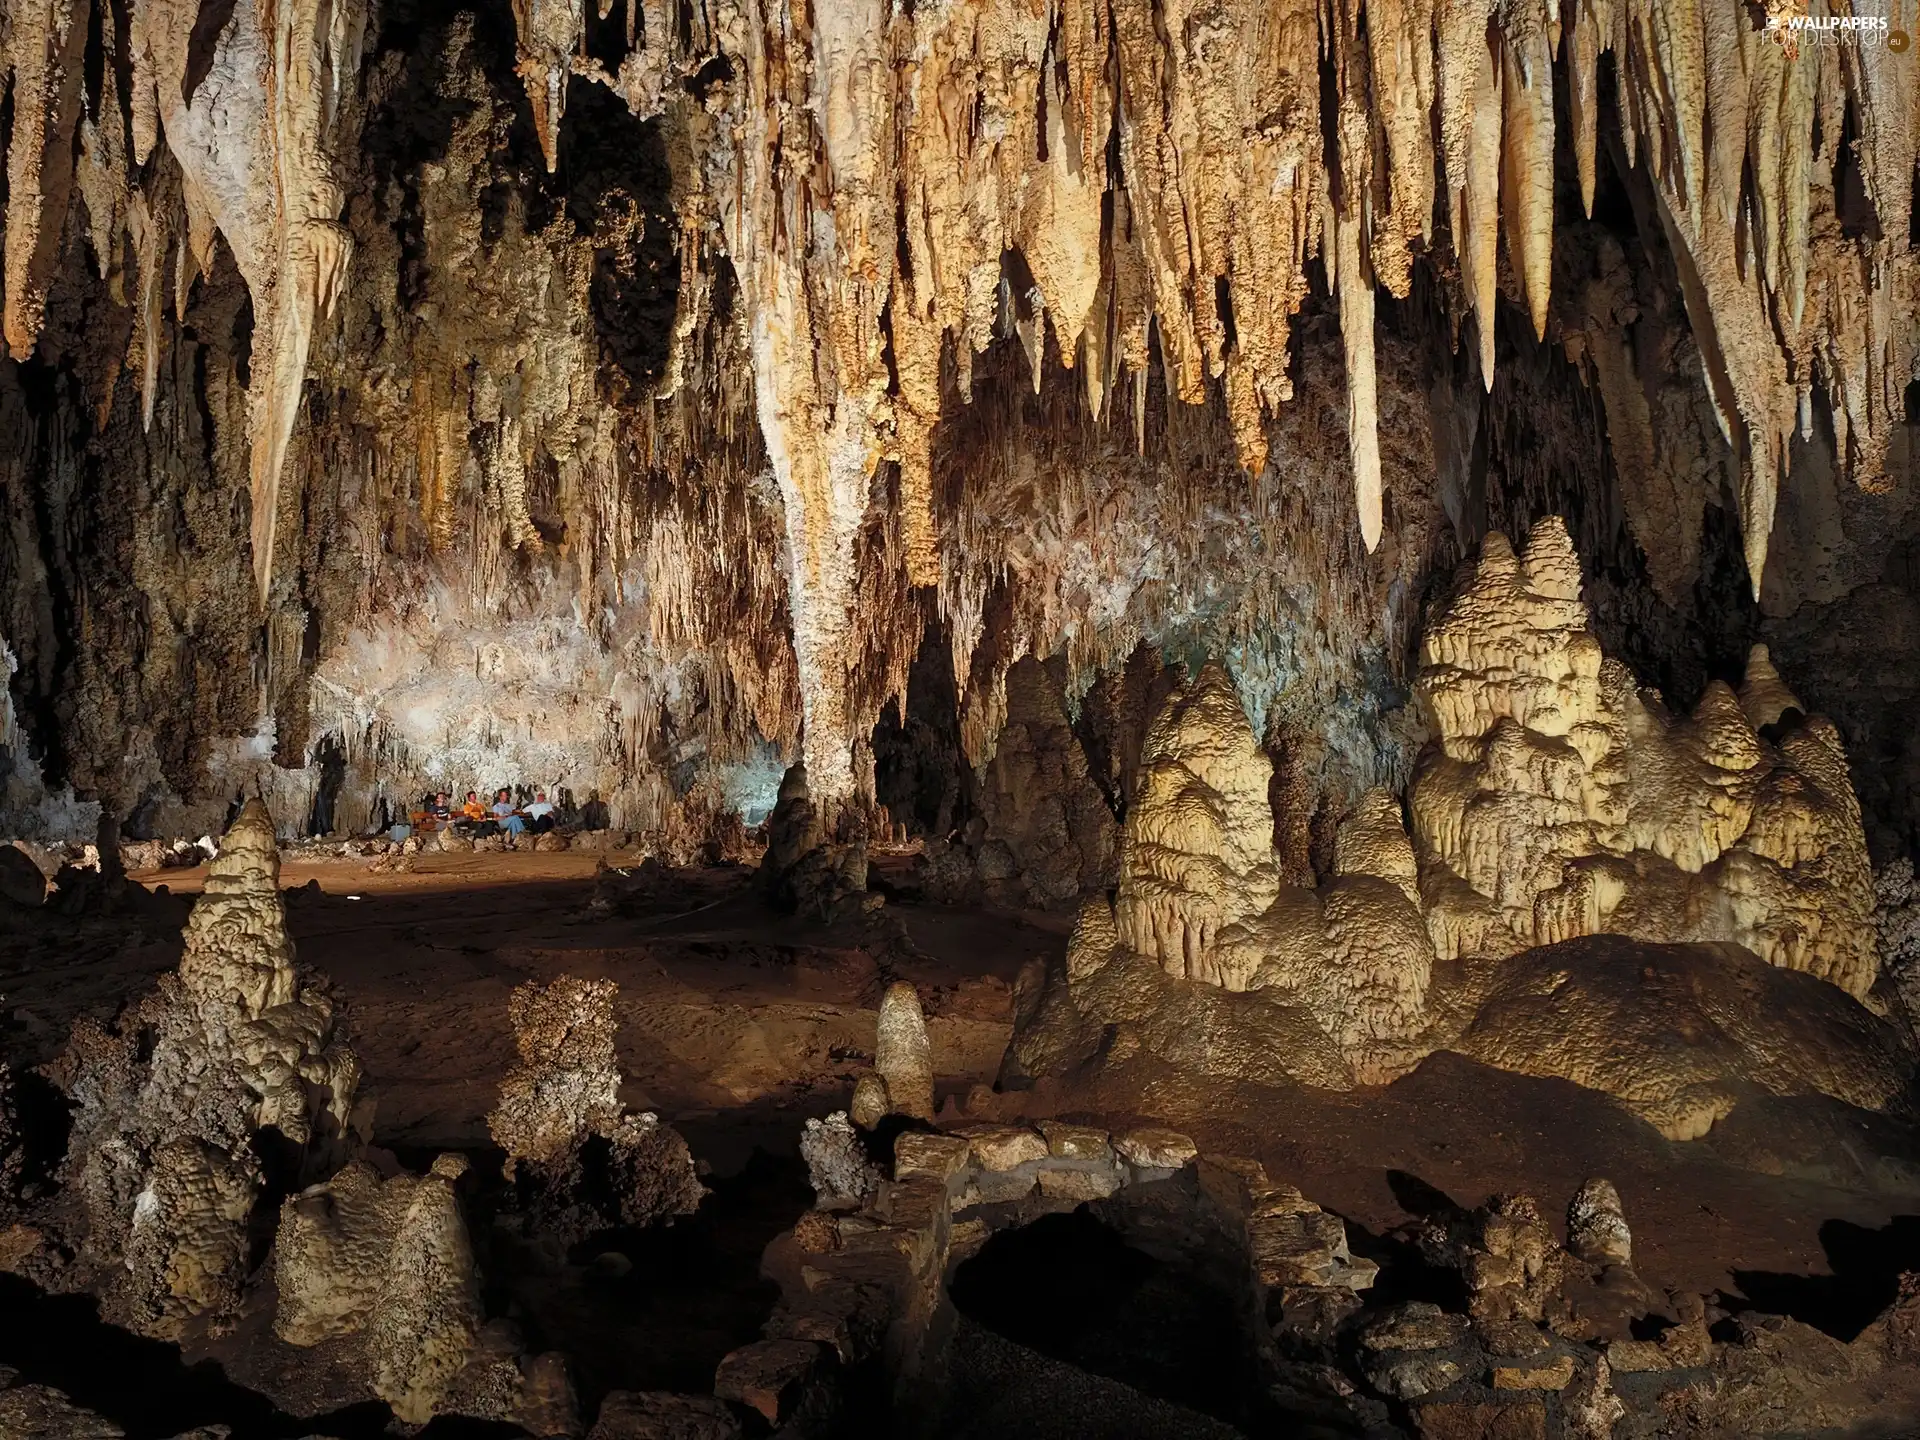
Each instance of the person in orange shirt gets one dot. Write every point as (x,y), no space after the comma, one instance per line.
(475,809)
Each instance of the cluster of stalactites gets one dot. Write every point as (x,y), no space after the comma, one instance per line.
(256,142)
(880,163)
(1165,173)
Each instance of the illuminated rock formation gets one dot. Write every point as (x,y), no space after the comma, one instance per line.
(902,1061)
(565,1085)
(1197,858)
(1555,802)
(583,1163)
(1200,892)
(1680,1034)
(1560,800)
(1597,1226)
(257,135)
(228,1066)
(386,1266)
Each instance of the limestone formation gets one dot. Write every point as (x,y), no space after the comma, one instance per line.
(1559,800)
(1554,802)
(1367,984)
(903,1054)
(1897,918)
(1200,895)
(226,1076)
(1049,836)
(1597,1225)
(1679,1034)
(40,1412)
(581,1161)
(565,1084)
(1128,224)
(804,868)
(1508,1258)
(870,1103)
(837,1163)
(1197,858)
(386,1266)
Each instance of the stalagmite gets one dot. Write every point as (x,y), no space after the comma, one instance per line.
(1197,857)
(1597,1225)
(229,1060)
(902,1054)
(1674,911)
(1560,801)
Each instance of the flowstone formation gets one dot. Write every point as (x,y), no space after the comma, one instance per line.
(225,1081)
(1341,973)
(385,1268)
(1567,838)
(1679,1033)
(1560,799)
(580,1161)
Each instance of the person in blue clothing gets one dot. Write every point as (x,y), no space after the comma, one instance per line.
(505,815)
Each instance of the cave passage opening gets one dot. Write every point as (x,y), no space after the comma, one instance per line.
(1143,1295)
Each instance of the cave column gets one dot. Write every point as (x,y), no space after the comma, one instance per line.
(806,202)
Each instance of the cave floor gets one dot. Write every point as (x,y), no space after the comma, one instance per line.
(736,1022)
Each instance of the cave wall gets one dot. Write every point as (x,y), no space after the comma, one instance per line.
(641,444)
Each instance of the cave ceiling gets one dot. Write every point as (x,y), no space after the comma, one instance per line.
(633,395)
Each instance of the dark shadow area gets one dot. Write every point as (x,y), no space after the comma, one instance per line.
(1072,1288)
(654,1308)
(618,190)
(1866,1267)
(43,1119)
(1417,1197)
(919,773)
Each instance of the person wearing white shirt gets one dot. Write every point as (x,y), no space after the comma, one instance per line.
(539,813)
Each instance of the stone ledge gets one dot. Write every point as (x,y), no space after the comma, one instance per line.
(767,1375)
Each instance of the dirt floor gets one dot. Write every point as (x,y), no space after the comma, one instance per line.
(737,1022)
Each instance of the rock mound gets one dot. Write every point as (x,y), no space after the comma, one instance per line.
(1678,1033)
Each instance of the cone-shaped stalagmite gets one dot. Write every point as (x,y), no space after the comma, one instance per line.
(902,1054)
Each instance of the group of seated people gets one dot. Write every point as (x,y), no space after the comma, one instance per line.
(475,817)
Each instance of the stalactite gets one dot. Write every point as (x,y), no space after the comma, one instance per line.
(45,40)
(550,32)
